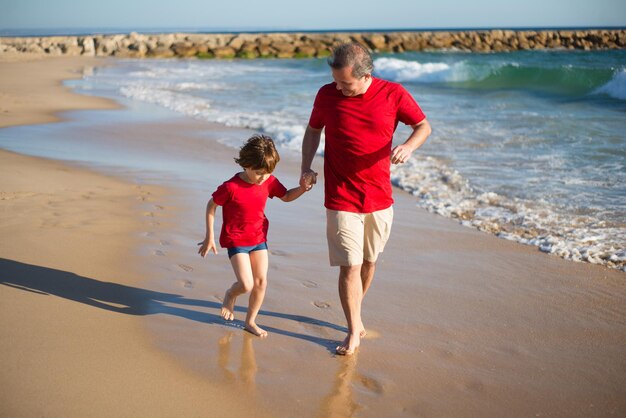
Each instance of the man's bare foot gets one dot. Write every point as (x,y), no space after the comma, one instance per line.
(349,345)
(253,328)
(228,307)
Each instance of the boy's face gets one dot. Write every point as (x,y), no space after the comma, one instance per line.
(256,176)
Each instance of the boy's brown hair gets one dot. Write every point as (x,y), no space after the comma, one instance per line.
(258,153)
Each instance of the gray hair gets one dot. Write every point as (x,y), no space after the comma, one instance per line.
(352,55)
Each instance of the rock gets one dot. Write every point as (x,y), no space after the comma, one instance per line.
(284,47)
(166,40)
(238,41)
(312,44)
(224,52)
(266,51)
(105,46)
(160,52)
(441,40)
(139,47)
(72,50)
(305,51)
(376,41)
(87,43)
(184,49)
(34,49)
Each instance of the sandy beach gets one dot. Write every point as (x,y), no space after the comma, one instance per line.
(106,308)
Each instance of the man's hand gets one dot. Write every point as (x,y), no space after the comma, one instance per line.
(401,154)
(308,179)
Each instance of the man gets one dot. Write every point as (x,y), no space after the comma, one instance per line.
(360,114)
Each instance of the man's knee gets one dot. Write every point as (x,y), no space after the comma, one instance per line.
(347,273)
(369,264)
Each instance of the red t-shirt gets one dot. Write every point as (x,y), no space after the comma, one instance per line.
(359,132)
(243,205)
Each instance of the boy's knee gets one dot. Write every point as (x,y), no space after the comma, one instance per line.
(247,286)
(260,283)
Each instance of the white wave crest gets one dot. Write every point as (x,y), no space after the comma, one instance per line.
(430,72)
(616,87)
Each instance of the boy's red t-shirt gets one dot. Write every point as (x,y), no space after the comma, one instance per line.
(359,131)
(243,210)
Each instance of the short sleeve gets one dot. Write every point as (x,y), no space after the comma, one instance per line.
(276,188)
(316,121)
(409,111)
(222,194)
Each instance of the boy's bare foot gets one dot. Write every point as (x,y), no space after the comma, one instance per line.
(255,329)
(228,307)
(349,345)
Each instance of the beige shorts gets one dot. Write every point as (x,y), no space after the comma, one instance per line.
(354,237)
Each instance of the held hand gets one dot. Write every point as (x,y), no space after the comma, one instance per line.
(400,154)
(206,246)
(308,179)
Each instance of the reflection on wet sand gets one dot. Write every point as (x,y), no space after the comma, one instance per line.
(247,366)
(340,401)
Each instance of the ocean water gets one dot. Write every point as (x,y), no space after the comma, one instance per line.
(530,146)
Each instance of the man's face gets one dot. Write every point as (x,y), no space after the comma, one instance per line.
(348,84)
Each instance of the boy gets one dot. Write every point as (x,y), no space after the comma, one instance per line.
(244,226)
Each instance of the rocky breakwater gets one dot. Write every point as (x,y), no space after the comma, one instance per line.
(304,45)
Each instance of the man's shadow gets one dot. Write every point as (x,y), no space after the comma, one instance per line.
(136,301)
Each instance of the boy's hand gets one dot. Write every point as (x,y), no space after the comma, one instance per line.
(308,179)
(206,246)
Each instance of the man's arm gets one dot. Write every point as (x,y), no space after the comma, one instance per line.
(310,144)
(401,153)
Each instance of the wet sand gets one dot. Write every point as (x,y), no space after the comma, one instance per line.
(460,323)
(71,334)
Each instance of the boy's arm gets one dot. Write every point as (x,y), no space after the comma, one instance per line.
(306,182)
(296,192)
(209,240)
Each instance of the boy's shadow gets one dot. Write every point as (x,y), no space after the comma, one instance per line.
(135,301)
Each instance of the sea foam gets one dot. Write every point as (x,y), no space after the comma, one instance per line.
(615,88)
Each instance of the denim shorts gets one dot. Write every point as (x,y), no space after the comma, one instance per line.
(246,250)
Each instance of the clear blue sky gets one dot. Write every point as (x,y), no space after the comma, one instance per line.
(308,15)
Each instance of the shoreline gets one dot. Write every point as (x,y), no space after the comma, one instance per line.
(26,98)
(461,322)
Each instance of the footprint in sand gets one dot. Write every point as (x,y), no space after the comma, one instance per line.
(185,267)
(159,253)
(188,284)
(310,284)
(321,305)
(279,253)
(159,207)
(372,385)
(149,214)
(474,386)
